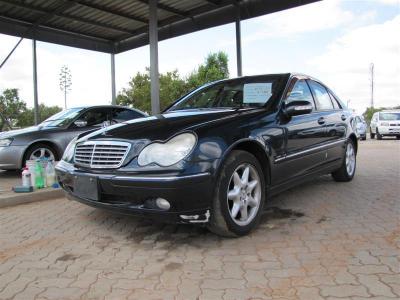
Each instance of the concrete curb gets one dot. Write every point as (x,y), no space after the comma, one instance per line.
(22,198)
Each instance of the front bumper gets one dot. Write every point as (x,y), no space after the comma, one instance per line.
(189,195)
(389,130)
(11,157)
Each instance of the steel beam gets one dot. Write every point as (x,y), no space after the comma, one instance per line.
(113,91)
(35,84)
(238,44)
(153,35)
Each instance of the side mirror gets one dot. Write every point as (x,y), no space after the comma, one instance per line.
(80,123)
(298,107)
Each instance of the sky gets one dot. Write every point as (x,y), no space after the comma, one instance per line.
(333,40)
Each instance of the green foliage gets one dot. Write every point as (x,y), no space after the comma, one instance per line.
(172,85)
(11,107)
(28,116)
(14,113)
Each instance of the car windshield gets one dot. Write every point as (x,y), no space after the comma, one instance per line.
(389,116)
(62,118)
(253,92)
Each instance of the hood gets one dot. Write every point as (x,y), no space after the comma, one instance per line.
(163,126)
(17,132)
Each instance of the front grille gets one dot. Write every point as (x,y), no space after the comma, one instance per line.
(101,154)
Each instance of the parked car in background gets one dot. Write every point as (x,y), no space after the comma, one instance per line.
(50,138)
(215,155)
(385,123)
(361,127)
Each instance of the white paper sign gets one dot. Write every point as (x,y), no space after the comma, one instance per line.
(256,92)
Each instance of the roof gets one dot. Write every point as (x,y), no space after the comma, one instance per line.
(114,26)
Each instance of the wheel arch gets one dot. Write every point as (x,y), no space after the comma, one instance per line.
(256,148)
(56,147)
(354,139)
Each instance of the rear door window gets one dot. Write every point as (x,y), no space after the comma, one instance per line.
(321,96)
(123,114)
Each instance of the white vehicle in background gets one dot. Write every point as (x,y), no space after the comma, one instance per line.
(385,123)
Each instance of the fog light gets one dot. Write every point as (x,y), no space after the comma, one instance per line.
(162,203)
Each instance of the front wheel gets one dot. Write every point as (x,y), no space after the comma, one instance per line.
(371,133)
(378,135)
(346,171)
(239,196)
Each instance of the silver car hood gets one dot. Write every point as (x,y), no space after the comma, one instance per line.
(12,133)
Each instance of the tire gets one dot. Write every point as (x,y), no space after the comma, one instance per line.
(378,135)
(346,173)
(398,137)
(35,151)
(364,138)
(371,133)
(227,216)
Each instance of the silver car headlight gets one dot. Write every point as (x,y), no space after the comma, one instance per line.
(169,153)
(5,142)
(70,150)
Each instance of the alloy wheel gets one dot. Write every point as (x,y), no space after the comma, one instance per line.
(42,153)
(244,194)
(350,159)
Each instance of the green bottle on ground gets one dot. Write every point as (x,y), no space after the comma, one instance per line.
(39,180)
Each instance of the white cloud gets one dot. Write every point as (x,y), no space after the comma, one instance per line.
(389,2)
(308,18)
(346,63)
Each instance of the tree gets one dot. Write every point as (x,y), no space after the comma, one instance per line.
(215,68)
(172,85)
(11,107)
(65,82)
(27,117)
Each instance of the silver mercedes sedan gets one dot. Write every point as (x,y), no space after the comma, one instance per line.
(50,138)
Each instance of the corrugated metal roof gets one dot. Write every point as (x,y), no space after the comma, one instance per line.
(114,26)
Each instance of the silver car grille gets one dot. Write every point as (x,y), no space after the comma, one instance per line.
(101,154)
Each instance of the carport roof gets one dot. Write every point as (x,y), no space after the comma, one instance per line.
(114,26)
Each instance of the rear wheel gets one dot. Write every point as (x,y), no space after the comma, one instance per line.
(239,196)
(371,133)
(378,135)
(348,168)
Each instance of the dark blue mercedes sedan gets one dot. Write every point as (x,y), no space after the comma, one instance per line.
(217,154)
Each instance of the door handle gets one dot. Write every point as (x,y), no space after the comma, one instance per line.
(343,118)
(321,121)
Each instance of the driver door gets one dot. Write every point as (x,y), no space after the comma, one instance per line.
(303,135)
(90,119)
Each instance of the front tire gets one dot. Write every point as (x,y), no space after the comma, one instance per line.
(378,135)
(371,133)
(346,172)
(239,196)
(40,151)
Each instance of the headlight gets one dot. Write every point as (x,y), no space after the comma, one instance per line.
(5,142)
(69,151)
(384,124)
(169,153)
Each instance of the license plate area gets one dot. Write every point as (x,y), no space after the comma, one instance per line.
(86,187)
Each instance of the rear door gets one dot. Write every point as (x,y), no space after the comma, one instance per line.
(334,119)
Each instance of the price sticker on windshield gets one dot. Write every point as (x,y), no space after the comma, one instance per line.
(257,92)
